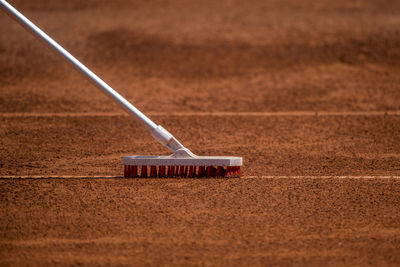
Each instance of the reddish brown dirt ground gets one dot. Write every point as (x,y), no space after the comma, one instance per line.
(185,58)
(200,222)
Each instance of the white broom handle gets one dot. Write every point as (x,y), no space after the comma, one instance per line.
(27,24)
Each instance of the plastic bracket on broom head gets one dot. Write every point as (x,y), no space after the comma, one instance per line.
(182,157)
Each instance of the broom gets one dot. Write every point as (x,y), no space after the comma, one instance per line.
(182,163)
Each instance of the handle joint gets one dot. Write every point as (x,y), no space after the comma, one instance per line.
(166,139)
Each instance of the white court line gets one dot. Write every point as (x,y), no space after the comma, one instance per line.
(332,177)
(59,177)
(244,177)
(212,114)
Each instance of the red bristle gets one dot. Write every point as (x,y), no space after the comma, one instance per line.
(171,171)
(208,171)
(192,171)
(161,171)
(134,171)
(181,169)
(126,171)
(130,172)
(213,171)
(153,171)
(228,171)
(238,171)
(234,171)
(218,171)
(143,172)
(201,171)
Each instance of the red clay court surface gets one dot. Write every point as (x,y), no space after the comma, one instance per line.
(307,92)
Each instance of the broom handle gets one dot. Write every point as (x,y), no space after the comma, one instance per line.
(27,24)
(162,135)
